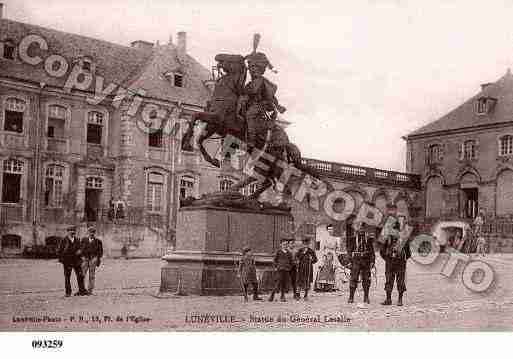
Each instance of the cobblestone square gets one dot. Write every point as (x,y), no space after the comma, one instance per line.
(127,299)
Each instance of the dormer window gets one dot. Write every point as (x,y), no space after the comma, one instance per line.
(485,105)
(178,80)
(176,77)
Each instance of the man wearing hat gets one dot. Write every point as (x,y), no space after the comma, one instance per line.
(283,262)
(247,272)
(395,252)
(259,97)
(305,259)
(69,253)
(92,252)
(360,248)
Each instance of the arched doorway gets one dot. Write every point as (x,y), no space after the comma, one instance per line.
(469,195)
(505,193)
(434,197)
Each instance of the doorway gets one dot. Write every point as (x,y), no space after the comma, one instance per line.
(470,202)
(92,204)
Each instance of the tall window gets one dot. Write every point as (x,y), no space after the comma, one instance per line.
(9,50)
(95,127)
(155,194)
(11,181)
(13,119)
(225,184)
(156,132)
(435,154)
(53,185)
(506,145)
(469,150)
(186,187)
(56,121)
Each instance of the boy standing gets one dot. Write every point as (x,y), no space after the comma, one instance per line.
(247,272)
(283,262)
(305,258)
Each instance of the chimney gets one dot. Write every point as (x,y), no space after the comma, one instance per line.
(142,45)
(483,86)
(182,43)
(1,10)
(170,41)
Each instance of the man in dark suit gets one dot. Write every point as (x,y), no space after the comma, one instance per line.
(283,262)
(360,248)
(395,254)
(69,254)
(92,253)
(305,259)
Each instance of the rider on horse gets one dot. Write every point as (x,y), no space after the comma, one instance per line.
(259,104)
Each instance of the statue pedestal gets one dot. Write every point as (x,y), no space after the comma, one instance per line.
(209,241)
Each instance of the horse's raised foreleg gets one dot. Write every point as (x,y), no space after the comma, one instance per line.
(208,131)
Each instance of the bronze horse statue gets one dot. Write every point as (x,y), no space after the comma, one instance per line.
(225,116)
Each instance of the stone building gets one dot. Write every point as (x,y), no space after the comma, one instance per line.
(465,159)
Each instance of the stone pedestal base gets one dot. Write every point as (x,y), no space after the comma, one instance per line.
(203,273)
(209,241)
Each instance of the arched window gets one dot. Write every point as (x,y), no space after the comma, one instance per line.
(187,187)
(11,180)
(155,135)
(506,145)
(56,121)
(155,192)
(14,113)
(95,123)
(54,177)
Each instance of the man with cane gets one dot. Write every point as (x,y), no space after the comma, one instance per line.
(305,258)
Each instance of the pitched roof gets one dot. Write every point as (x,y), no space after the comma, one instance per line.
(122,65)
(465,116)
(114,62)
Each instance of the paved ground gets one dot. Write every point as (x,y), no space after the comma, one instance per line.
(127,300)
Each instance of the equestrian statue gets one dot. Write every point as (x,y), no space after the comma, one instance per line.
(249,112)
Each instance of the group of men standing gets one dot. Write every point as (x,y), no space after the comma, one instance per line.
(361,246)
(394,249)
(81,255)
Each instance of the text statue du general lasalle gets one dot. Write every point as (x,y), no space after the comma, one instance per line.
(143,190)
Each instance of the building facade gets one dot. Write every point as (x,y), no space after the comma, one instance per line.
(465,160)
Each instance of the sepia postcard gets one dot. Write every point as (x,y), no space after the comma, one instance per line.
(173,166)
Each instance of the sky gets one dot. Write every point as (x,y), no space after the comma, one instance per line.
(354,76)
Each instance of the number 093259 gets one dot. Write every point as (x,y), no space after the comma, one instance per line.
(47,344)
